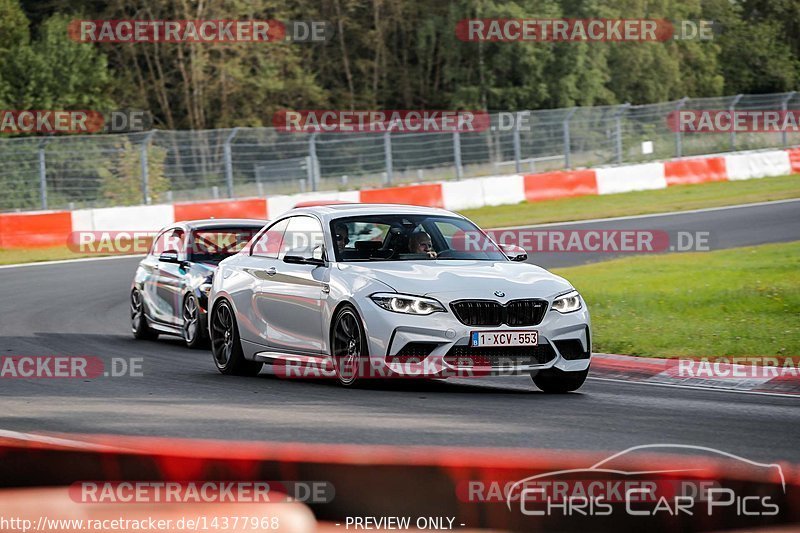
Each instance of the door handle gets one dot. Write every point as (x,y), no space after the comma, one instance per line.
(271,271)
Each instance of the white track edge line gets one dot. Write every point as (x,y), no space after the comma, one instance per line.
(58,441)
(64,261)
(651,215)
(697,387)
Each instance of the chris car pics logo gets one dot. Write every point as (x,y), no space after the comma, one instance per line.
(674,486)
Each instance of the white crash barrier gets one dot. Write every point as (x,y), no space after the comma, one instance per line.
(277,205)
(758,164)
(467,194)
(133,218)
(640,177)
(502,190)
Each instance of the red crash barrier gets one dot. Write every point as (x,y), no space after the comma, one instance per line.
(247,208)
(701,170)
(794,159)
(480,488)
(31,230)
(426,195)
(560,184)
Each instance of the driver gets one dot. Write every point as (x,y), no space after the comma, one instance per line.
(342,235)
(420,243)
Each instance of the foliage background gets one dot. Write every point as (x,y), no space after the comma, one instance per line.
(393,54)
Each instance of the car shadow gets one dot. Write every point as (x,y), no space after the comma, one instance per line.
(481,385)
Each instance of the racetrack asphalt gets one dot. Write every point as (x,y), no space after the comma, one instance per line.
(81,308)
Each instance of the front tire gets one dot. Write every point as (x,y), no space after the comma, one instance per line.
(348,346)
(139,327)
(194,333)
(555,381)
(226,346)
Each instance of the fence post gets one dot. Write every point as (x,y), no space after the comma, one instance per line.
(457,153)
(567,140)
(678,133)
(309,173)
(618,126)
(143,158)
(784,109)
(312,155)
(229,161)
(387,154)
(517,144)
(42,175)
(731,110)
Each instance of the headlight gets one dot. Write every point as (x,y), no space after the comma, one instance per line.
(567,303)
(410,305)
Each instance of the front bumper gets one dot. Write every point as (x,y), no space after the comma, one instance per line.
(444,351)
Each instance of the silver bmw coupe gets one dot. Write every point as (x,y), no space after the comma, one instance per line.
(367,290)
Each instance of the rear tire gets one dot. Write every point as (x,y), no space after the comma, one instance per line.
(555,381)
(226,346)
(139,326)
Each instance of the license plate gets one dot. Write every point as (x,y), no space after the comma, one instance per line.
(504,338)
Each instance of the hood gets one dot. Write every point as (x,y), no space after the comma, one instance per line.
(463,279)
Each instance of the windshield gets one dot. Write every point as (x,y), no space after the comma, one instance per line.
(214,245)
(410,238)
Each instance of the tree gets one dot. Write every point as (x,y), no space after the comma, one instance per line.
(54,72)
(13,34)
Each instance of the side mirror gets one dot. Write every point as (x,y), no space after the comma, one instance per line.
(169,256)
(514,252)
(301,260)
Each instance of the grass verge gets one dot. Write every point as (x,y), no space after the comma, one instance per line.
(676,198)
(738,302)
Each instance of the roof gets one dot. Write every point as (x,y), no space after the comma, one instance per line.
(223,222)
(332,211)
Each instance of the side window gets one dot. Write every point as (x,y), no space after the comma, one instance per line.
(178,241)
(269,243)
(302,235)
(172,239)
(159,243)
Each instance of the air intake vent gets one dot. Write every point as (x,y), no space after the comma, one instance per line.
(491,313)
